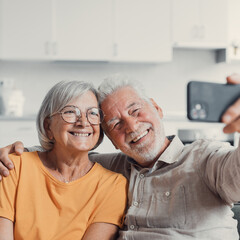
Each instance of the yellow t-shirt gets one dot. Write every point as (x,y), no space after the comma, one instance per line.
(43,207)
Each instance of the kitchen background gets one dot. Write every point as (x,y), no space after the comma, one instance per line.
(161,43)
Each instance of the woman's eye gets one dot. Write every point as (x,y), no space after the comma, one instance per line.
(68,112)
(94,113)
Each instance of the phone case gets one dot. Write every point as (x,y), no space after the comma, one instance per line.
(206,101)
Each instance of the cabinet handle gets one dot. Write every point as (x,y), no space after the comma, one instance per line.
(194,32)
(47,48)
(115,49)
(202,32)
(235,45)
(54,48)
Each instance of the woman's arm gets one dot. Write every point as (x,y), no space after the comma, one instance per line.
(6,229)
(103,231)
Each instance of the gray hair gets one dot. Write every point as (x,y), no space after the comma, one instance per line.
(57,98)
(117,81)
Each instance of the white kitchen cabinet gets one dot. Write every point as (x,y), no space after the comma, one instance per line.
(233,49)
(82,30)
(200,23)
(25,29)
(142,30)
(85,30)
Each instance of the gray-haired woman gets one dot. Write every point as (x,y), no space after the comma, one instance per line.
(60,193)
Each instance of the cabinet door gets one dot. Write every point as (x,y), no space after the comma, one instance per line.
(142,30)
(199,23)
(214,22)
(25,29)
(83,29)
(233,50)
(185,20)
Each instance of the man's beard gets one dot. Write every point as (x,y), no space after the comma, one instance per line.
(147,151)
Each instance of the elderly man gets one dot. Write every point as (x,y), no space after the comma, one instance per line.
(175,191)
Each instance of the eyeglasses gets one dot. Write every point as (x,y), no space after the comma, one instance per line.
(71,114)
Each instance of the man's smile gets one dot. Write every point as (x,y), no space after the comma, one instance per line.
(139,137)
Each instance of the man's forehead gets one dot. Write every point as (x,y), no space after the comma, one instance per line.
(125,96)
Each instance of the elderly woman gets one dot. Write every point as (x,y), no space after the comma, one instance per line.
(60,193)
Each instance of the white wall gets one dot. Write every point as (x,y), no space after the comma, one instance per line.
(165,82)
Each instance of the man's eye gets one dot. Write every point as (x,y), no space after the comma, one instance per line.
(117,125)
(135,112)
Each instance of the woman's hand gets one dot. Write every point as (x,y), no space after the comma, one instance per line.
(5,163)
(232,116)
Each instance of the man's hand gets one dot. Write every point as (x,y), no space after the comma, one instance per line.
(5,163)
(232,116)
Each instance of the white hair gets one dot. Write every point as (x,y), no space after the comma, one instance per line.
(57,98)
(114,82)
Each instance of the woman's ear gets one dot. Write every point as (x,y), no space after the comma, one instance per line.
(159,110)
(47,124)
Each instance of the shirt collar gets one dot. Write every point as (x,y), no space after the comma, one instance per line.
(170,155)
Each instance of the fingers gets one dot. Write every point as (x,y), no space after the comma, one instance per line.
(232,127)
(233,79)
(232,113)
(18,147)
(5,163)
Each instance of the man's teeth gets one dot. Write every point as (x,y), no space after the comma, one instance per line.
(140,136)
(81,134)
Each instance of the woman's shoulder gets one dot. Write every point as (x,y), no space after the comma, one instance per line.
(108,175)
(26,158)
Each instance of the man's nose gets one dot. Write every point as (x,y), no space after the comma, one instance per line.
(131,125)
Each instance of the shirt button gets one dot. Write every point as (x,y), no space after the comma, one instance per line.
(132,227)
(167,194)
(135,204)
(141,176)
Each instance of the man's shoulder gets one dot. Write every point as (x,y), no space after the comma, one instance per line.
(117,162)
(110,157)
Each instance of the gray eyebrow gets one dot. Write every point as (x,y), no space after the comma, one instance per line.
(115,118)
(111,120)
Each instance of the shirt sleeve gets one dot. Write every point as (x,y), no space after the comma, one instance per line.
(35,149)
(112,205)
(8,190)
(220,168)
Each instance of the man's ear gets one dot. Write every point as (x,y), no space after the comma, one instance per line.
(46,125)
(159,110)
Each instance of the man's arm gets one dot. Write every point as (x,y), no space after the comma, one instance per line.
(5,162)
(103,231)
(6,229)
(232,116)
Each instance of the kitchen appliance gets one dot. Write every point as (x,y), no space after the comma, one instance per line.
(188,136)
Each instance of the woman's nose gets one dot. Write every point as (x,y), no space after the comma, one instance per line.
(82,120)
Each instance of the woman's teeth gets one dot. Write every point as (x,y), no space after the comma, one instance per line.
(140,136)
(81,134)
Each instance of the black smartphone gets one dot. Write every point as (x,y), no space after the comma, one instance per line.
(207,101)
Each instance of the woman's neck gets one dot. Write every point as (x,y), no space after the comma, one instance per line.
(66,166)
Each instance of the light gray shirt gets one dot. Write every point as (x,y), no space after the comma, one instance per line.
(188,194)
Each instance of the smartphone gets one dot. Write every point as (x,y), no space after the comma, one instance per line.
(207,101)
